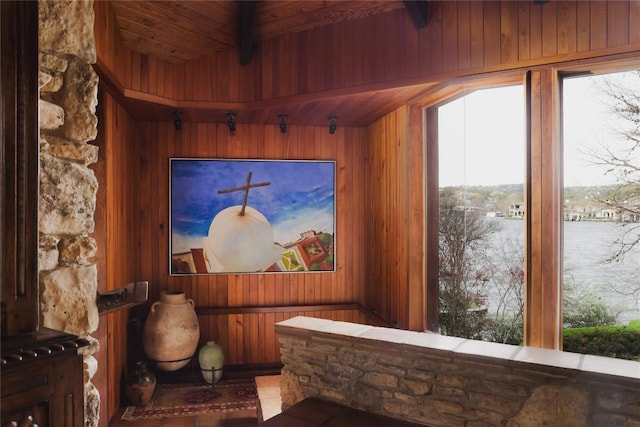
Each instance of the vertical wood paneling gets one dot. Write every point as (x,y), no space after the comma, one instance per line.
(144,73)
(634,22)
(491,33)
(366,41)
(433,46)
(449,36)
(460,36)
(535,31)
(583,14)
(524,30)
(598,24)
(617,23)
(135,71)
(509,32)
(388,235)
(477,34)
(549,29)
(118,256)
(567,28)
(269,75)
(378,169)
(248,337)
(464,35)
(409,49)
(105,34)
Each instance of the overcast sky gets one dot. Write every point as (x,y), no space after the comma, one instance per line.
(488,127)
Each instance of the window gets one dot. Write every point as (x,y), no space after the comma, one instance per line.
(551,208)
(601,202)
(481,230)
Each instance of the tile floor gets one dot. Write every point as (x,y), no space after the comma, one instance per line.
(269,396)
(270,404)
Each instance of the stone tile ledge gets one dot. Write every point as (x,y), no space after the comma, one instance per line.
(557,362)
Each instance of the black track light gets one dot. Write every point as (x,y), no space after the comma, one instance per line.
(177,119)
(332,124)
(231,124)
(283,124)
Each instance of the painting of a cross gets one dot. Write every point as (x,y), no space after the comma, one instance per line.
(246,189)
(287,225)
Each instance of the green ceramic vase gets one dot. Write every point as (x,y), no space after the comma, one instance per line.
(211,359)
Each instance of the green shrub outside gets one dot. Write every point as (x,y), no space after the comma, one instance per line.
(634,325)
(621,342)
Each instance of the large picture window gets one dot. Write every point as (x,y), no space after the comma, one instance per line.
(521,261)
(481,230)
(601,202)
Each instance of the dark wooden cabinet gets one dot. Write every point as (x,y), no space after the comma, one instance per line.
(42,380)
(19,167)
(41,370)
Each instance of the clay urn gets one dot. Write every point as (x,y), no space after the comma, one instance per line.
(171,331)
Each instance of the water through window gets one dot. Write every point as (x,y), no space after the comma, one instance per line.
(601,209)
(481,145)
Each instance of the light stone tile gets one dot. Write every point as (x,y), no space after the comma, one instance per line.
(488,349)
(548,357)
(268,381)
(610,366)
(304,322)
(387,334)
(268,387)
(346,328)
(270,408)
(435,341)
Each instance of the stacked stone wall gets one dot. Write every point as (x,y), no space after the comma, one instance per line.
(445,381)
(68,187)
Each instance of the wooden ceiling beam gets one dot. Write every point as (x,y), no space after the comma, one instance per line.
(246,27)
(419,12)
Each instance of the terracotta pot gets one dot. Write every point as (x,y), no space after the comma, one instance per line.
(141,385)
(171,332)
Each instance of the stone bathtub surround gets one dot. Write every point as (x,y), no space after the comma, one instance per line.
(446,381)
(68,188)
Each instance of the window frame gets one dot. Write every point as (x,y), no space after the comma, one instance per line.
(543,186)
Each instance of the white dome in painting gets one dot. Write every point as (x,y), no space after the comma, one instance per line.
(241,243)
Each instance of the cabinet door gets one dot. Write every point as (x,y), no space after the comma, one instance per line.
(49,391)
(29,417)
(19,167)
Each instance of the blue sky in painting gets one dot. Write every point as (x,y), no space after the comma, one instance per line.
(299,198)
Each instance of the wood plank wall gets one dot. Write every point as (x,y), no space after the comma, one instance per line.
(462,37)
(131,70)
(117,239)
(387,213)
(250,338)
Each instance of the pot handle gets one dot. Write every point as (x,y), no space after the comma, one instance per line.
(154,305)
(190,301)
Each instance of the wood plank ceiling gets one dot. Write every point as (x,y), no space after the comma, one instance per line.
(182,30)
(179,31)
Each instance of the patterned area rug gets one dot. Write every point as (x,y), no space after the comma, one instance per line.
(175,400)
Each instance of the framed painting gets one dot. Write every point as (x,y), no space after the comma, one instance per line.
(251,216)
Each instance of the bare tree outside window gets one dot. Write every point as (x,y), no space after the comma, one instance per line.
(601,122)
(620,155)
(481,174)
(481,234)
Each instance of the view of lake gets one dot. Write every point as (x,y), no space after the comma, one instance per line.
(587,245)
(487,147)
